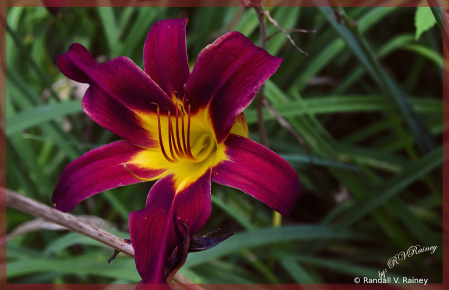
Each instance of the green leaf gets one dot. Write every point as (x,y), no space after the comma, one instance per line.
(426,52)
(297,272)
(359,45)
(73,238)
(331,49)
(88,264)
(269,236)
(37,115)
(438,14)
(303,158)
(424,20)
(233,212)
(68,240)
(116,203)
(110,28)
(394,186)
(339,104)
(136,36)
(339,266)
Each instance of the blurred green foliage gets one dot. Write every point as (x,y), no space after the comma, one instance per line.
(367,101)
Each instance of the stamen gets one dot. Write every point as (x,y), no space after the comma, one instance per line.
(189,152)
(171,136)
(178,150)
(183,135)
(177,130)
(136,176)
(160,136)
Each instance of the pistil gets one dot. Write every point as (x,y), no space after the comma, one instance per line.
(136,176)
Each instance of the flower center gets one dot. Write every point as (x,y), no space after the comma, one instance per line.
(189,144)
(179,143)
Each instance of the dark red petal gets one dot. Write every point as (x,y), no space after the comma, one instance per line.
(152,234)
(118,90)
(227,75)
(165,55)
(117,118)
(98,170)
(259,172)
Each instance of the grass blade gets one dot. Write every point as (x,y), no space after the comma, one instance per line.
(394,185)
(37,115)
(269,236)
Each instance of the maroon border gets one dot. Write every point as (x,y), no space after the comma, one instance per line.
(445,50)
(2,144)
(218,3)
(223,286)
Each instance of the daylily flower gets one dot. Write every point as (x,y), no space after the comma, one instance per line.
(182,128)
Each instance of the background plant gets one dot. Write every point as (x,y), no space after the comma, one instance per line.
(367,102)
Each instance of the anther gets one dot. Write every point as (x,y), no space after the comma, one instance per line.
(156,105)
(182,109)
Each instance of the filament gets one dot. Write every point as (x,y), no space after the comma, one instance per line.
(181,153)
(171,136)
(178,150)
(189,152)
(160,136)
(183,135)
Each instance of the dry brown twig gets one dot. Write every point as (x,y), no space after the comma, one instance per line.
(262,101)
(41,224)
(275,23)
(285,124)
(291,30)
(40,210)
